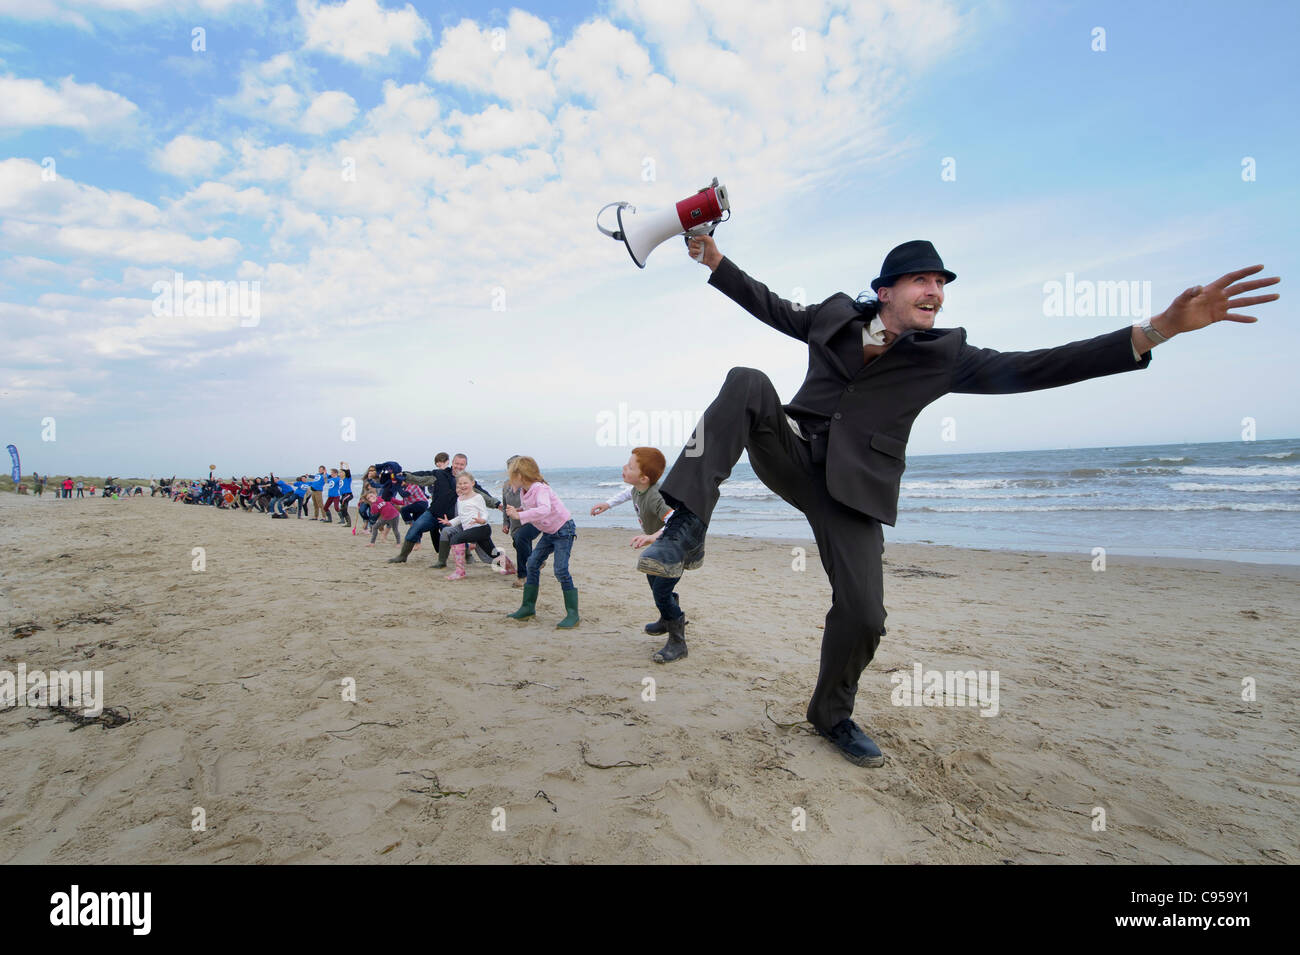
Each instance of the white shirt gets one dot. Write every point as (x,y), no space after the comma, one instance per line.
(468,509)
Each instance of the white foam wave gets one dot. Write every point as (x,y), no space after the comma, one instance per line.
(1254,470)
(1249,488)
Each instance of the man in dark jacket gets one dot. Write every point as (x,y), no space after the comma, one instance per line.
(837,450)
(440,485)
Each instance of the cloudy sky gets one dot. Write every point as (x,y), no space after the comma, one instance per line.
(413,189)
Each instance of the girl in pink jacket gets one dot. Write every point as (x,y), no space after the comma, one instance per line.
(541,508)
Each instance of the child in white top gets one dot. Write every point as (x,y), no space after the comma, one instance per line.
(469,526)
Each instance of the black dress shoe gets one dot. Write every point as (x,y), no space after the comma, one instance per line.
(853,744)
(680,546)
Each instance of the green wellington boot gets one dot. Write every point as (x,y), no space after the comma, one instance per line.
(529,607)
(571,606)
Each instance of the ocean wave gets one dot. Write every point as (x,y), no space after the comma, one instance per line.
(1008,495)
(994,508)
(746,490)
(1254,470)
(1277,455)
(1249,488)
(978,484)
(1140,461)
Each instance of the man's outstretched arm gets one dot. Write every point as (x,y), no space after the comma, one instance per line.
(986,371)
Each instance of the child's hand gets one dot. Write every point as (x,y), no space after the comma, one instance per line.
(512,511)
(599,509)
(480,520)
(443,520)
(641,540)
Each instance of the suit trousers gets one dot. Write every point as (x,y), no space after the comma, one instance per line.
(747,416)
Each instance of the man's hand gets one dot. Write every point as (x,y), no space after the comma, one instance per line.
(1204,305)
(599,509)
(642,539)
(711,256)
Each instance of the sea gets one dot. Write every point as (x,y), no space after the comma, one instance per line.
(1237,501)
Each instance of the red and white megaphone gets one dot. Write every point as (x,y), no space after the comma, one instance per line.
(696,215)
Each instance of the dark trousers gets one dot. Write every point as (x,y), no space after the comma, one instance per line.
(523,538)
(747,416)
(428,521)
(663,589)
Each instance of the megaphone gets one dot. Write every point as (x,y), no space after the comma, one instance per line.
(695,215)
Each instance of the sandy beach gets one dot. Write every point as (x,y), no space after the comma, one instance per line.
(1120,690)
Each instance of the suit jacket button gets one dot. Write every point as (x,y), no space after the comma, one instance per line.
(838,416)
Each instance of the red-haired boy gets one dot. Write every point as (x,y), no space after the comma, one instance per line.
(643,470)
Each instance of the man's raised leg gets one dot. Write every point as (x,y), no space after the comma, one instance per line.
(747,413)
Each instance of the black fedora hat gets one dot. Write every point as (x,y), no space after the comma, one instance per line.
(915,256)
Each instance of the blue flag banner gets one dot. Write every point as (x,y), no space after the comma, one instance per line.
(18,470)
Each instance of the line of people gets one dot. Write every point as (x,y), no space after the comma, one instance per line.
(450,505)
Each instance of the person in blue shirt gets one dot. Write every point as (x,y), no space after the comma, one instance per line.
(300,491)
(345,493)
(277,500)
(332,495)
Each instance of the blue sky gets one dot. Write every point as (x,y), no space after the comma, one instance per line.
(455,294)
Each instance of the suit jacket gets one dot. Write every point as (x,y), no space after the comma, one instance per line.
(876,404)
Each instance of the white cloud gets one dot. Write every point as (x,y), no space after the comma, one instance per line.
(32,269)
(200,205)
(80,12)
(265,164)
(498,130)
(361,30)
(150,246)
(260,97)
(327,112)
(26,103)
(187,157)
(25,195)
(508,62)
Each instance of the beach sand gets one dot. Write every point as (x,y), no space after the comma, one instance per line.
(1119,690)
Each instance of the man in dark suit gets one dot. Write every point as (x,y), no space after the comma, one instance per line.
(837,450)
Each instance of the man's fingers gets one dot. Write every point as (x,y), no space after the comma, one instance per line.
(1253,300)
(1226,280)
(1235,317)
(1251,286)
